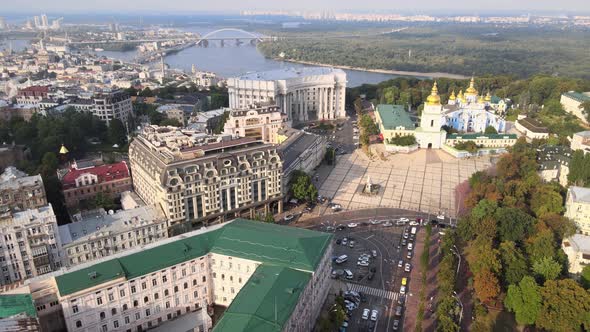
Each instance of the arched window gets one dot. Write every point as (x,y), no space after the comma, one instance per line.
(194,282)
(135,303)
(175,289)
(185,285)
(114,311)
(78,323)
(124,306)
(204,279)
(145,299)
(102,315)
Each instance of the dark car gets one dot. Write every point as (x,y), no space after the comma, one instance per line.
(341,228)
(371,276)
(399,310)
(401,299)
(434,222)
(338,241)
(373,269)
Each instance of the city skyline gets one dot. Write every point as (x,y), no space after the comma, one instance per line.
(234,6)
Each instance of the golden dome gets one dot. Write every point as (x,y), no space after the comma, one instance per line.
(452,97)
(488,97)
(434,98)
(63,150)
(471,90)
(461,97)
(480,100)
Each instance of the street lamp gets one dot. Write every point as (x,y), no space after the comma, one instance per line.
(460,304)
(456,252)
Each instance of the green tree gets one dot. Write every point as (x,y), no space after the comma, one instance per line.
(585,107)
(170,122)
(566,306)
(302,188)
(117,132)
(147,92)
(514,265)
(546,200)
(524,299)
(585,277)
(513,224)
(547,268)
(49,164)
(540,245)
(490,130)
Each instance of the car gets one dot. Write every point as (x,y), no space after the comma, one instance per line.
(375,221)
(441,217)
(374,314)
(400,223)
(414,223)
(337,273)
(373,269)
(404,281)
(363,297)
(330,229)
(344,324)
(387,224)
(404,242)
(406,235)
(365,257)
(371,276)
(344,241)
(374,253)
(341,259)
(351,244)
(348,274)
(395,325)
(404,220)
(399,310)
(401,299)
(362,263)
(400,263)
(366,313)
(402,290)
(410,246)
(340,228)
(338,241)
(352,225)
(408,267)
(289,217)
(409,255)
(371,325)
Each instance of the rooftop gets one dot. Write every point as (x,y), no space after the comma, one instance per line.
(482,136)
(579,194)
(293,149)
(266,243)
(104,173)
(14,304)
(585,134)
(577,96)
(533,125)
(266,301)
(109,223)
(31,215)
(12,178)
(580,242)
(395,116)
(290,73)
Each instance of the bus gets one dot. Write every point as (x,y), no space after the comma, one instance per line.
(413,230)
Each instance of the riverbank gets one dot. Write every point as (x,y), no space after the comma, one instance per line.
(380,71)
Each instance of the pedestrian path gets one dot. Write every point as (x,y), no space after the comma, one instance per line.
(372,291)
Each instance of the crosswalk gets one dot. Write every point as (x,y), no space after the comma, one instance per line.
(372,291)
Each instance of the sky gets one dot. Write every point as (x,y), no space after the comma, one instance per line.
(185,6)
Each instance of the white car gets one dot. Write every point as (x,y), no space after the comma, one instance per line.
(402,290)
(375,221)
(352,225)
(404,219)
(410,246)
(374,253)
(400,263)
(408,267)
(440,217)
(366,314)
(289,217)
(374,314)
(414,223)
(387,224)
(362,263)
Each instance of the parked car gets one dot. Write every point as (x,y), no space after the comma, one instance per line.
(374,314)
(344,241)
(374,253)
(387,224)
(414,223)
(399,310)
(289,217)
(408,267)
(365,315)
(402,290)
(404,242)
(400,263)
(409,255)
(352,225)
(401,299)
(351,244)
(338,241)
(395,325)
(404,220)
(362,263)
(406,235)
(410,246)
(330,229)
(374,221)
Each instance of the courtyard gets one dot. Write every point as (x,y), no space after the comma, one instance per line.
(423,181)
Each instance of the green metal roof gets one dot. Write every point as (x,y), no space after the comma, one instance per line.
(580,97)
(266,301)
(480,135)
(263,242)
(394,116)
(14,304)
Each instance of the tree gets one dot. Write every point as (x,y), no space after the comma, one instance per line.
(540,245)
(490,130)
(486,285)
(524,299)
(546,200)
(170,122)
(302,188)
(147,92)
(513,224)
(547,268)
(585,107)
(514,265)
(117,132)
(49,164)
(566,306)
(585,277)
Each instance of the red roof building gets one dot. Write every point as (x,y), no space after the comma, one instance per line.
(84,181)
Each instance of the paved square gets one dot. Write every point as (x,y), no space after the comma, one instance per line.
(422,181)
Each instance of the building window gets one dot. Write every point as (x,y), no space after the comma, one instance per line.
(78,323)
(125,307)
(122,293)
(156,296)
(135,303)
(166,292)
(75,309)
(164,279)
(195,294)
(154,282)
(105,328)
(133,290)
(145,299)
(204,279)
(175,289)
(114,311)
(127,320)
(185,285)
(99,300)
(116,324)
(147,312)
(194,282)
(102,315)
(137,316)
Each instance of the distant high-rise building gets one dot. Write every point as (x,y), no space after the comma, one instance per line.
(44,22)
(2,23)
(37,21)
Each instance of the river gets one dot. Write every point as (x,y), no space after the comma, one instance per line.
(231,60)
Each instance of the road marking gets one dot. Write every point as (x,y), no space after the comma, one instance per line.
(369,237)
(372,291)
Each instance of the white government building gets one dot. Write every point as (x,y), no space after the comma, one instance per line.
(303,94)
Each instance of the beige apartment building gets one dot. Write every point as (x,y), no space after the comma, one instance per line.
(571,102)
(29,245)
(577,206)
(199,178)
(103,234)
(581,141)
(258,121)
(246,266)
(19,192)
